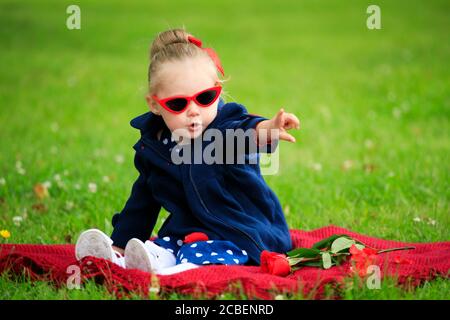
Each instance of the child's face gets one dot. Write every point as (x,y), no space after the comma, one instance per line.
(186,77)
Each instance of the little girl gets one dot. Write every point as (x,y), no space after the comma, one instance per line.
(228,206)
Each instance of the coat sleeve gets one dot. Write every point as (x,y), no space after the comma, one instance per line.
(138,217)
(236,117)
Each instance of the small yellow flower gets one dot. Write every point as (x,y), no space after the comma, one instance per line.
(5,234)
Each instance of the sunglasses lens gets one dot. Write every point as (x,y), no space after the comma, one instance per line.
(177,104)
(207,97)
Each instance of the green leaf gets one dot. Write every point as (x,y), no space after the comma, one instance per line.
(326,259)
(325,243)
(295,268)
(360,246)
(303,253)
(313,263)
(341,243)
(294,261)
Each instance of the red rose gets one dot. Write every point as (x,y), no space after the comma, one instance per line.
(362,259)
(195,236)
(275,263)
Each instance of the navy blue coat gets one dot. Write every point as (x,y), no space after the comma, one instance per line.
(225,201)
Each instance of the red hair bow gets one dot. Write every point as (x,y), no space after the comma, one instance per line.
(212,54)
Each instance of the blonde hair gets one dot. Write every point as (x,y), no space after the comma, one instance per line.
(170,45)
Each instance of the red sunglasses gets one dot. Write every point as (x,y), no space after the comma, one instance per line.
(177,104)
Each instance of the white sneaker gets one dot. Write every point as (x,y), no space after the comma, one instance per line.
(137,256)
(177,268)
(95,243)
(147,256)
(165,257)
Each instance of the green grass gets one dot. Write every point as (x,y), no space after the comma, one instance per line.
(377,100)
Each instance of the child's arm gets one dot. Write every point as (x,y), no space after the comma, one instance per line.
(275,128)
(140,213)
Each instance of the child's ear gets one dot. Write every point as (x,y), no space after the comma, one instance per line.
(152,104)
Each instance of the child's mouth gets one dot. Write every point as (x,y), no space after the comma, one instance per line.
(195,126)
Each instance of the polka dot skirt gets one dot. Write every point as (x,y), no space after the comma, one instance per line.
(204,252)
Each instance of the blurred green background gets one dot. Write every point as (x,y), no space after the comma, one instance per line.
(372,154)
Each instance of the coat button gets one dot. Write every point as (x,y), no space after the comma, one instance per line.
(142,147)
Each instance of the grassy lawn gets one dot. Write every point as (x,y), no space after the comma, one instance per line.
(372,155)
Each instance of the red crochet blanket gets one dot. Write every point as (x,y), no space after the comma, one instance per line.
(51,262)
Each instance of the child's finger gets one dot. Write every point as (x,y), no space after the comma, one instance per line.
(291,121)
(286,137)
(279,118)
(296,121)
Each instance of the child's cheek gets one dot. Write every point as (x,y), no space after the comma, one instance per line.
(211,115)
(172,121)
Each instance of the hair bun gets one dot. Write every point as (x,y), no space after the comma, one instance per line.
(172,45)
(167,38)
